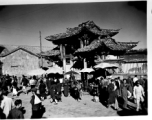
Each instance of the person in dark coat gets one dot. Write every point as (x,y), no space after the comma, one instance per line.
(2,115)
(15,88)
(125,94)
(117,93)
(53,91)
(36,104)
(129,81)
(66,88)
(79,86)
(25,84)
(111,93)
(131,85)
(58,93)
(51,88)
(4,84)
(48,84)
(16,113)
(117,83)
(104,91)
(42,90)
(8,83)
(75,93)
(95,93)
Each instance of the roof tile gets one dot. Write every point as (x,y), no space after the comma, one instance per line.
(89,25)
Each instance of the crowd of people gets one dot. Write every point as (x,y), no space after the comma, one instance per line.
(49,85)
(109,91)
(117,92)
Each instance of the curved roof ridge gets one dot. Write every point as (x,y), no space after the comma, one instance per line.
(90,25)
(108,42)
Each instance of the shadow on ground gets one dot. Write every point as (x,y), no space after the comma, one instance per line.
(130,113)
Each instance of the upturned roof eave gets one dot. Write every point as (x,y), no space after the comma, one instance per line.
(118,48)
(51,53)
(89,25)
(56,41)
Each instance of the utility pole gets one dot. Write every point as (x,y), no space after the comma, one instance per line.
(41,63)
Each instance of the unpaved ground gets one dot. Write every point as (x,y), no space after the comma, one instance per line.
(69,108)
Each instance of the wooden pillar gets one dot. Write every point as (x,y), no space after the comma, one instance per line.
(85,63)
(117,57)
(137,68)
(53,64)
(83,75)
(71,62)
(64,59)
(119,69)
(81,44)
(84,60)
(102,57)
(62,51)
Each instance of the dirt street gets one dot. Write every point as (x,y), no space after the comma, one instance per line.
(69,108)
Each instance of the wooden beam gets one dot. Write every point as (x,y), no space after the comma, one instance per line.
(85,63)
(81,43)
(64,58)
(61,51)
(71,62)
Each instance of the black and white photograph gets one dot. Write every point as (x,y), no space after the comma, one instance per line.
(73,60)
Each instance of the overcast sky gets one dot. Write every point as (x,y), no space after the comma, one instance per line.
(20,24)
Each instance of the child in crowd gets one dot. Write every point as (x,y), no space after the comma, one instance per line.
(36,104)
(16,113)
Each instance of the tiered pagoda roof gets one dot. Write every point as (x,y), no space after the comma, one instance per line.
(51,53)
(135,58)
(88,26)
(135,51)
(99,39)
(109,43)
(54,52)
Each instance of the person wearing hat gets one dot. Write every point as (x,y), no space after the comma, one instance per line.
(138,93)
(141,81)
(36,104)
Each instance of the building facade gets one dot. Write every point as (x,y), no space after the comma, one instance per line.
(19,61)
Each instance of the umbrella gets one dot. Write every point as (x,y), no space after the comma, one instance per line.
(87,70)
(36,72)
(54,69)
(71,72)
(106,65)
